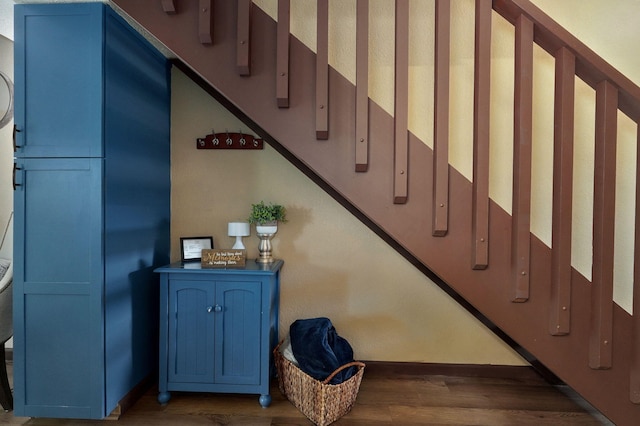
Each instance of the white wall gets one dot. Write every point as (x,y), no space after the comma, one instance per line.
(6,143)
(6,19)
(6,146)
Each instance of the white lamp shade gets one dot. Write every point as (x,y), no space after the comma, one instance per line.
(238,229)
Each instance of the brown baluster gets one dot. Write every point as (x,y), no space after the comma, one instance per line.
(205,22)
(634,375)
(169,6)
(560,310)
(282,54)
(243,53)
(322,70)
(362,86)
(401,122)
(481,106)
(521,200)
(440,205)
(604,200)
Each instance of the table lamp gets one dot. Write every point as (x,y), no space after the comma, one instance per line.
(238,230)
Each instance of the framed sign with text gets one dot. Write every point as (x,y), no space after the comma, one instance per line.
(223,258)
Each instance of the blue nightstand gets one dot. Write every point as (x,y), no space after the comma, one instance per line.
(218,328)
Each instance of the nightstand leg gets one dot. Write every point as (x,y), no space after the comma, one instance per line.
(265,400)
(164,397)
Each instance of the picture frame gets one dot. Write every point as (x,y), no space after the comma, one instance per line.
(191,248)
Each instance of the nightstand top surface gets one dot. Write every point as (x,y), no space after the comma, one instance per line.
(251,266)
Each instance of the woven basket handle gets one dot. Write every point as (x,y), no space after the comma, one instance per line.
(339,369)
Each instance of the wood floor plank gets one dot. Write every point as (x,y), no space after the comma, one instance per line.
(383,400)
(477,416)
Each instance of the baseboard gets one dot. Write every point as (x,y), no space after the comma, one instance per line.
(396,369)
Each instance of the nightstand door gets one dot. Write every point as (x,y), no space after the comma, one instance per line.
(191,331)
(238,353)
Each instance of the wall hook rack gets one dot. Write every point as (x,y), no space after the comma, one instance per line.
(228,140)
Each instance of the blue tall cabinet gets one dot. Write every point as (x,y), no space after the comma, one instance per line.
(92,208)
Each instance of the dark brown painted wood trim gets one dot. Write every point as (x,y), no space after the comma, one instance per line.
(243,38)
(169,6)
(604,200)
(634,374)
(481,116)
(564,100)
(401,122)
(440,207)
(322,70)
(205,22)
(521,200)
(407,369)
(362,86)
(589,66)
(282,53)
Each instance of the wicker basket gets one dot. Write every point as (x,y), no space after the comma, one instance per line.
(321,402)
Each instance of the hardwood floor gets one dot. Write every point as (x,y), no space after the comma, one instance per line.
(384,399)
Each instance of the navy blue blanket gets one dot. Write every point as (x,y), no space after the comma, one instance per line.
(319,350)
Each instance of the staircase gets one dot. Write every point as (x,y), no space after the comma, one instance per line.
(409,193)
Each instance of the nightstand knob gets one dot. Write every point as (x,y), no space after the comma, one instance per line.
(217,308)
(209,309)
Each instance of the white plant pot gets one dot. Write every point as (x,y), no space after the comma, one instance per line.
(267,229)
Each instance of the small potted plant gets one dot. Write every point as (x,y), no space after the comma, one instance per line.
(266,218)
(267,215)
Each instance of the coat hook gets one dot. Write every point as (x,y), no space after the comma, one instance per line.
(215,138)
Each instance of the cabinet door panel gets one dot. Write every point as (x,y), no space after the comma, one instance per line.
(60,368)
(59,220)
(238,353)
(191,317)
(58,112)
(58,288)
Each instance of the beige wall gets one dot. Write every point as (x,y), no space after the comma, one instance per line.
(334,265)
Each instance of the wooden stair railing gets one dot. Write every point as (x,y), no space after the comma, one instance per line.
(570,319)
(613,92)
